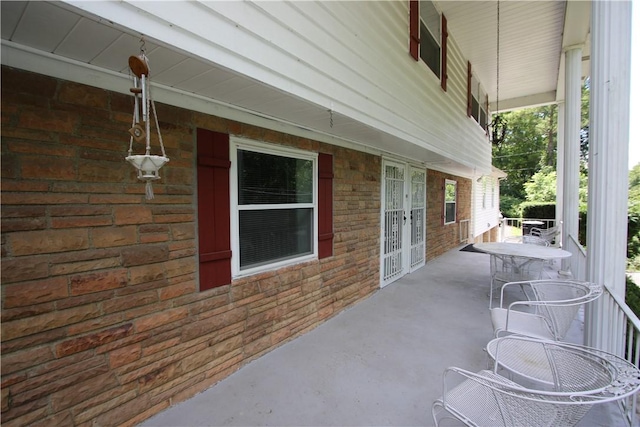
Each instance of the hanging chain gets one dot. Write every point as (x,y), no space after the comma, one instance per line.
(498,63)
(143,49)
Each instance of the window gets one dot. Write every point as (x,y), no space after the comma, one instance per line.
(218,189)
(478,101)
(450,189)
(484,192)
(428,37)
(493,193)
(275,200)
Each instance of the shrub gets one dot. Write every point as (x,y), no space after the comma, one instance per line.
(510,207)
(632,296)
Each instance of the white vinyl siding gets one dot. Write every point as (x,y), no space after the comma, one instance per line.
(351,57)
(485,204)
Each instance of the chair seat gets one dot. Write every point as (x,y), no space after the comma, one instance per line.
(489,399)
(528,324)
(471,400)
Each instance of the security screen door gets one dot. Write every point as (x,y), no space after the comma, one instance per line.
(403,220)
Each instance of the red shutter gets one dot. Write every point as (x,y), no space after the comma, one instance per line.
(214,246)
(469,101)
(325,205)
(414,29)
(486,103)
(445,35)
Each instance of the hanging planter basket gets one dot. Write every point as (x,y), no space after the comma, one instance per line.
(148,165)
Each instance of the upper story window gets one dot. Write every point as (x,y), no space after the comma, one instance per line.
(428,37)
(484,192)
(273,206)
(478,100)
(450,197)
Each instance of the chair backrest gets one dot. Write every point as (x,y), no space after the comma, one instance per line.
(558,301)
(548,234)
(535,240)
(508,268)
(560,367)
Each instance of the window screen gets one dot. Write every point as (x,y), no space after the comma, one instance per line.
(275,207)
(450,201)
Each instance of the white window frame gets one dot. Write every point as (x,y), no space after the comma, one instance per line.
(250,145)
(484,192)
(455,202)
(478,95)
(437,37)
(493,193)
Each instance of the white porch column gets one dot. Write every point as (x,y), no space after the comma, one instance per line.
(608,157)
(565,263)
(571,143)
(560,166)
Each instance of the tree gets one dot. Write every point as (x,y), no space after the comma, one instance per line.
(531,145)
(633,230)
(528,146)
(541,187)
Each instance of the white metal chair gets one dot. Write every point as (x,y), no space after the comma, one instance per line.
(509,268)
(563,367)
(488,399)
(548,234)
(527,239)
(547,313)
(555,384)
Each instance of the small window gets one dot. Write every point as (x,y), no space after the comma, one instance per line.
(450,196)
(275,199)
(478,98)
(430,36)
(484,192)
(493,193)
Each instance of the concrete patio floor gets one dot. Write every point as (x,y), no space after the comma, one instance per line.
(378,363)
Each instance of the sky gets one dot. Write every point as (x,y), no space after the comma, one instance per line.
(634,123)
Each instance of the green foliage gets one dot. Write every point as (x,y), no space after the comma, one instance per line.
(542,186)
(538,210)
(632,296)
(526,147)
(633,228)
(510,206)
(634,190)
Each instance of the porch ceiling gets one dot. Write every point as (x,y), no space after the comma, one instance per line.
(533,35)
(530,52)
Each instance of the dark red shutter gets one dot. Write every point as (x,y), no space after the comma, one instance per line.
(214,229)
(469,96)
(325,205)
(414,29)
(445,35)
(486,103)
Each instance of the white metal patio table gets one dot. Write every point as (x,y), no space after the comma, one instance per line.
(522,250)
(513,262)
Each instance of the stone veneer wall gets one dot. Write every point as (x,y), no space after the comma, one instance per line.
(442,238)
(102,319)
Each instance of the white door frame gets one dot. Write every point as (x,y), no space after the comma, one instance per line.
(418,217)
(398,256)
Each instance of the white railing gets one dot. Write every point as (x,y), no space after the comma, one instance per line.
(519,226)
(609,323)
(578,261)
